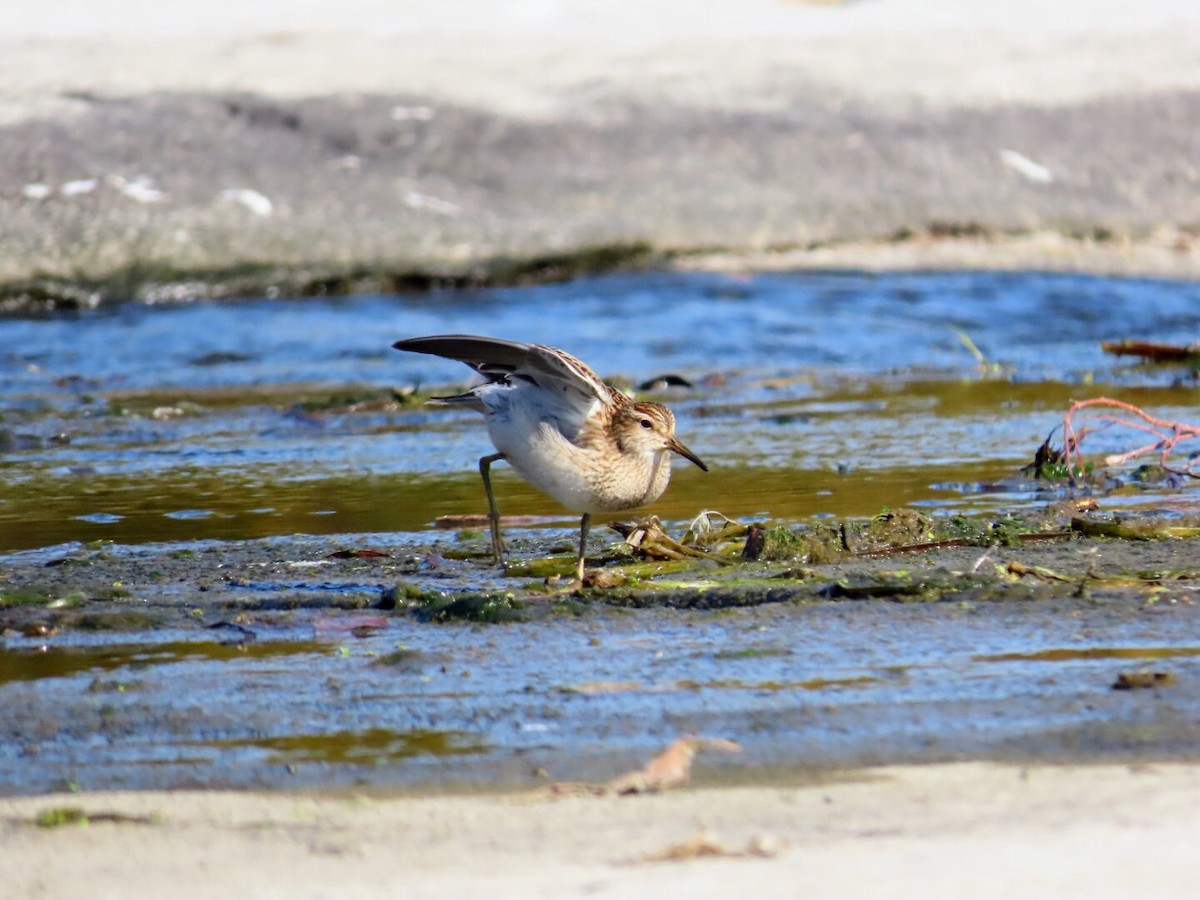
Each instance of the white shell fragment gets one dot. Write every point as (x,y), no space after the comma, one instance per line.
(141,189)
(259,204)
(78,186)
(1026,167)
(417,200)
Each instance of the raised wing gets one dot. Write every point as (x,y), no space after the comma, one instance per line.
(495,359)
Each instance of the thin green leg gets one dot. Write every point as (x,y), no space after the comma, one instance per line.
(584,524)
(498,548)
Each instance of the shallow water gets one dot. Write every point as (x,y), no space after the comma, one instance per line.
(168,433)
(815,395)
(364,699)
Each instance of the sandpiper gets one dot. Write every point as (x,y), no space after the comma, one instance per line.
(561,428)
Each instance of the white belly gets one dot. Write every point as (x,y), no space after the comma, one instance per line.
(580,478)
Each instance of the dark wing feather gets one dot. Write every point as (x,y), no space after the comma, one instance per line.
(496,359)
(491,357)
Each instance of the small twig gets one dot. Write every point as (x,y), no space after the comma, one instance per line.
(950,543)
(1169,435)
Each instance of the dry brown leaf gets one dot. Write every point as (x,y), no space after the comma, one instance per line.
(693,848)
(704,845)
(671,767)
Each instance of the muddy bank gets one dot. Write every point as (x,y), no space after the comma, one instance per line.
(164,666)
(242,195)
(55,585)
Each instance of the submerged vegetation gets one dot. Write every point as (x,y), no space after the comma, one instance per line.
(1064,550)
(831,478)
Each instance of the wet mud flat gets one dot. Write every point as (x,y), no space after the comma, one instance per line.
(352,660)
(222,566)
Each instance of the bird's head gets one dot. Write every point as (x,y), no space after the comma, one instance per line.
(649,428)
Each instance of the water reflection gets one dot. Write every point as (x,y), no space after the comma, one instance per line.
(816,394)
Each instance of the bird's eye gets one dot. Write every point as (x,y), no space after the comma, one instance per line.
(646,423)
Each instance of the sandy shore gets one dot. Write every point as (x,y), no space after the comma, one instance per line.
(548,58)
(977,830)
(175,150)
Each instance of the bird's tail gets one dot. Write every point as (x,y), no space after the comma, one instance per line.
(467,399)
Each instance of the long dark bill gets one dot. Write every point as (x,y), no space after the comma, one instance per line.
(687,454)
